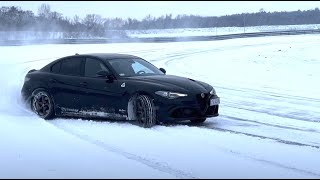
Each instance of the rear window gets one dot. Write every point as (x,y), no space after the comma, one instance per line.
(56,67)
(71,66)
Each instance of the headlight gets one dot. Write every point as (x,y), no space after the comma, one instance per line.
(213,91)
(170,95)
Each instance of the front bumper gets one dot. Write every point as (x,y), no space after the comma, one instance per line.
(181,109)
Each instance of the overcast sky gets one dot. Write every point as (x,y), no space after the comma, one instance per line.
(140,9)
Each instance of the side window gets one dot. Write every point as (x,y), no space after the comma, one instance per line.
(139,67)
(56,67)
(93,66)
(122,67)
(71,66)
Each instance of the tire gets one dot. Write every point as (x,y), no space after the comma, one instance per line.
(198,121)
(145,111)
(42,104)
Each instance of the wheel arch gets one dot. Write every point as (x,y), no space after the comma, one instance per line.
(130,104)
(136,93)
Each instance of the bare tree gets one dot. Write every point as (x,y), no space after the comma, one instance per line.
(55,15)
(76,19)
(92,19)
(44,11)
(93,24)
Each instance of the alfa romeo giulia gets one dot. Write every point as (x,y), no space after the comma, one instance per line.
(117,86)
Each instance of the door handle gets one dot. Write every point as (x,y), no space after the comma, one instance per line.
(84,83)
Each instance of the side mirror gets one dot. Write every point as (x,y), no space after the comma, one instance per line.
(110,78)
(107,75)
(102,74)
(163,70)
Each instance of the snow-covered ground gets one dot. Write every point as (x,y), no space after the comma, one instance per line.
(180,32)
(269,123)
(151,33)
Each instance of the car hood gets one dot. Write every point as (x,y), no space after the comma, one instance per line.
(176,83)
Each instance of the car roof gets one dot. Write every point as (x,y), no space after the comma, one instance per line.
(104,56)
(109,55)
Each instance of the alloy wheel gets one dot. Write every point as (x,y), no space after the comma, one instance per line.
(41,104)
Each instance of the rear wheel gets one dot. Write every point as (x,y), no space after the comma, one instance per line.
(145,111)
(200,120)
(42,104)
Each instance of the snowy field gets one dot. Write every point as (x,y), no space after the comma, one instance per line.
(269,123)
(180,32)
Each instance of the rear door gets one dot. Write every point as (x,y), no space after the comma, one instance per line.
(66,83)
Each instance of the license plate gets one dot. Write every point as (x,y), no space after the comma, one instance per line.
(214,101)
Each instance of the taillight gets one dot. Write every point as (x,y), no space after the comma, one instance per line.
(26,79)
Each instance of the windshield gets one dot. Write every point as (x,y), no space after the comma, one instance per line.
(134,67)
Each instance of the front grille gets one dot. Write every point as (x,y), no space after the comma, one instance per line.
(203,102)
(184,113)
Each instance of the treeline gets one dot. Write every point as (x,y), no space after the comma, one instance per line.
(92,25)
(260,18)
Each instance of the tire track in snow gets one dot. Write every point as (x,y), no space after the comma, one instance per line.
(190,52)
(297,105)
(273,113)
(260,136)
(267,124)
(248,123)
(268,93)
(206,126)
(161,166)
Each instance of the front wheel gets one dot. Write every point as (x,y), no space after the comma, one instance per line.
(145,111)
(200,120)
(42,104)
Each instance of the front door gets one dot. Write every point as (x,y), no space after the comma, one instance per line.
(102,97)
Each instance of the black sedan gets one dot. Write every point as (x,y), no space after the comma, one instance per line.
(116,86)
